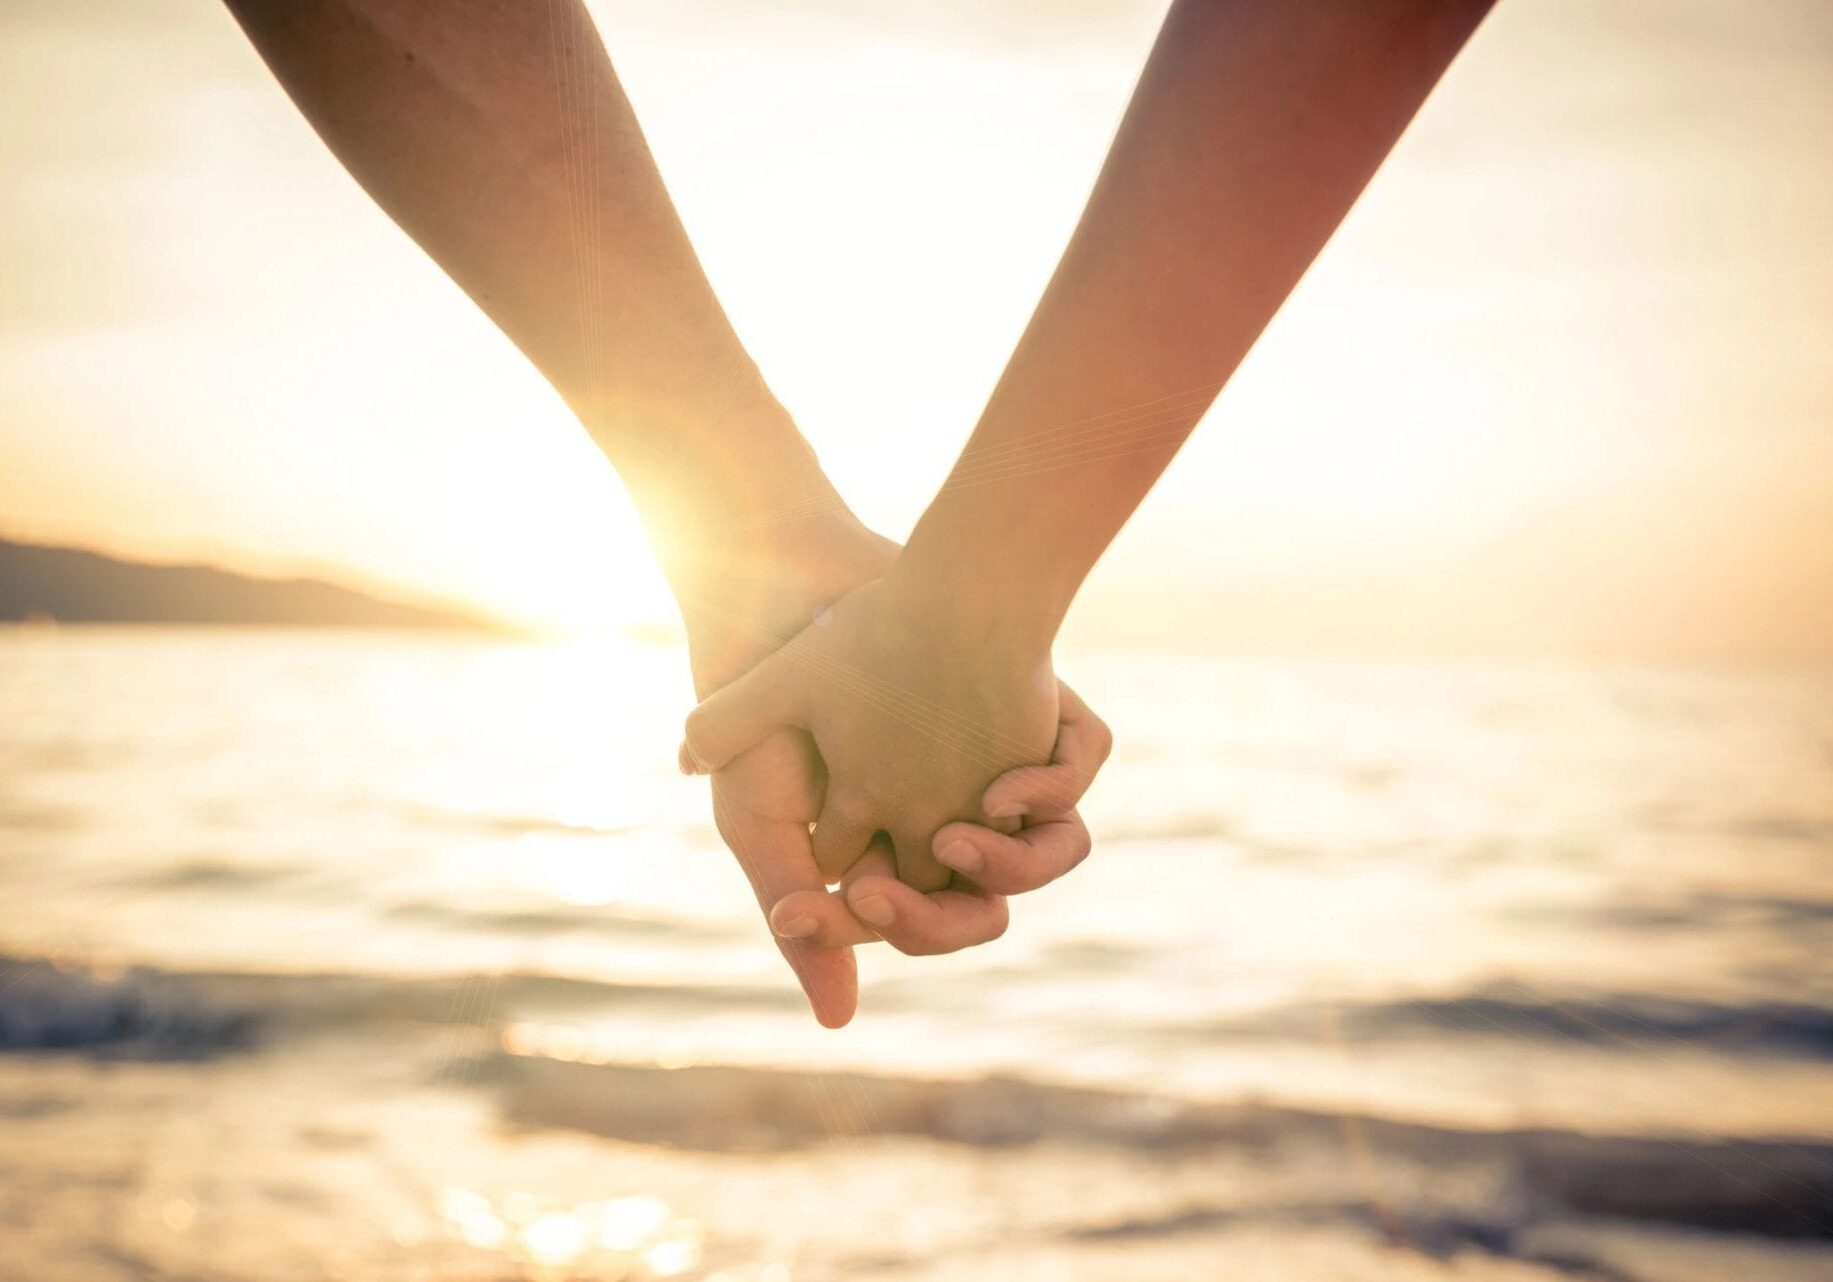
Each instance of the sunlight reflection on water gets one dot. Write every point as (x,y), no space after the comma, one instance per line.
(1593,900)
(635,1236)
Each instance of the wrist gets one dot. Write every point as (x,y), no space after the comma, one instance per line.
(708,470)
(959,608)
(974,582)
(717,491)
(751,595)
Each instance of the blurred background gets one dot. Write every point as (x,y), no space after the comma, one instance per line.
(1463,894)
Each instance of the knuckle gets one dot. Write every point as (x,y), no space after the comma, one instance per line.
(997,924)
(1104,740)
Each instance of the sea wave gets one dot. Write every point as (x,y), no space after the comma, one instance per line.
(552,919)
(421,816)
(75,1006)
(1768,1186)
(1520,1012)
(1715,910)
(46,1004)
(212,875)
(1779,1187)
(48,1007)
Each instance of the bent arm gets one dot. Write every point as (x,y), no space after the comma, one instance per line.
(1254,126)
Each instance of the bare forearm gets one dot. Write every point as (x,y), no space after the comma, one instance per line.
(1255,125)
(496,134)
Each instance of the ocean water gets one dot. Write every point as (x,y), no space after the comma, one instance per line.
(399,956)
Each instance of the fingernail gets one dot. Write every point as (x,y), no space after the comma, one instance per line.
(962,856)
(876,910)
(799,927)
(1004,810)
(689,763)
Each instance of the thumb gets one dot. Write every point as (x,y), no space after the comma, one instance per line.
(739,715)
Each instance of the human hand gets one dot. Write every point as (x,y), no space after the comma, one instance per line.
(742,605)
(738,606)
(873,904)
(913,708)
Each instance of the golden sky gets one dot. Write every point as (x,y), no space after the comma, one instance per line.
(1562,384)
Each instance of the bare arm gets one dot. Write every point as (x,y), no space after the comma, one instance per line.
(496,133)
(1255,125)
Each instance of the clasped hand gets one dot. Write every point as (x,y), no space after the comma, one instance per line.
(938,761)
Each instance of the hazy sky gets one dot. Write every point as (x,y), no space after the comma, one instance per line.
(1563,382)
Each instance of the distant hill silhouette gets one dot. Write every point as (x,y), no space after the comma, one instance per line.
(74,586)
